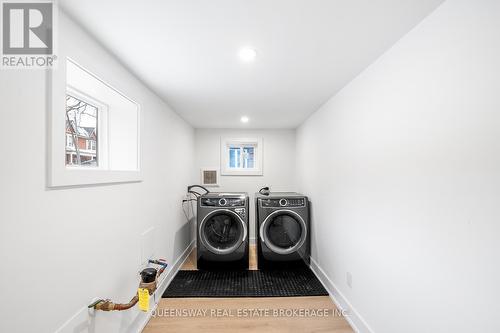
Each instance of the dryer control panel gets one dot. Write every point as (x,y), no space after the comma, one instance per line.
(222,202)
(283,202)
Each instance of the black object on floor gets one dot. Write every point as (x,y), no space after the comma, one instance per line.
(262,283)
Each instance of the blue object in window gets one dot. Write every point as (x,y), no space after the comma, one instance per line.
(248,157)
(234,157)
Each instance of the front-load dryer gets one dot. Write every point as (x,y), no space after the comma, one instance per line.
(222,231)
(283,230)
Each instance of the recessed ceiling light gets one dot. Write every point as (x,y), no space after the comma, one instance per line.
(244,119)
(247,54)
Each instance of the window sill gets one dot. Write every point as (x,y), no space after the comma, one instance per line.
(75,176)
(241,172)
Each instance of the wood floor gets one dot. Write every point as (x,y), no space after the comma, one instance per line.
(190,263)
(263,314)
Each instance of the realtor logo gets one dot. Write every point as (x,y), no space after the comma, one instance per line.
(27,34)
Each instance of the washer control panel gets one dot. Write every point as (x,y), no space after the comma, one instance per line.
(283,202)
(242,212)
(222,202)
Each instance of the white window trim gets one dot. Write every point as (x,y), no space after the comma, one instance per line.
(258,158)
(58,174)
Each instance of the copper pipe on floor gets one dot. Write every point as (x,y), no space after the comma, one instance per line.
(151,286)
(107,305)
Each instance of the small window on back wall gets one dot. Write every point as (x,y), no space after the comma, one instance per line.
(241,156)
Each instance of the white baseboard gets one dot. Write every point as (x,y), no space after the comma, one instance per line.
(84,319)
(354,319)
(163,284)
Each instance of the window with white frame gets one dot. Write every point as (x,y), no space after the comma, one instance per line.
(101,126)
(69,141)
(91,145)
(241,157)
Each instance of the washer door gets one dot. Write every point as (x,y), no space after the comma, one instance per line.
(222,231)
(283,231)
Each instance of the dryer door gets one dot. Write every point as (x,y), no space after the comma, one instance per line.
(283,231)
(222,231)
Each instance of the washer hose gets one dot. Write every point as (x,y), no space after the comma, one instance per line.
(264,190)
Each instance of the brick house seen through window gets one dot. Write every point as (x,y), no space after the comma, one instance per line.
(81,133)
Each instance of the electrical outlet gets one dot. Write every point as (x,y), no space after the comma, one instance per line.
(348,279)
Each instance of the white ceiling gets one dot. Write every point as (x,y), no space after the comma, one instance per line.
(187,51)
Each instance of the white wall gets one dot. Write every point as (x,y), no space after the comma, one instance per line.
(278,167)
(61,248)
(403,169)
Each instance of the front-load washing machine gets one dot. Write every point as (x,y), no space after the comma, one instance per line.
(222,231)
(282,229)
